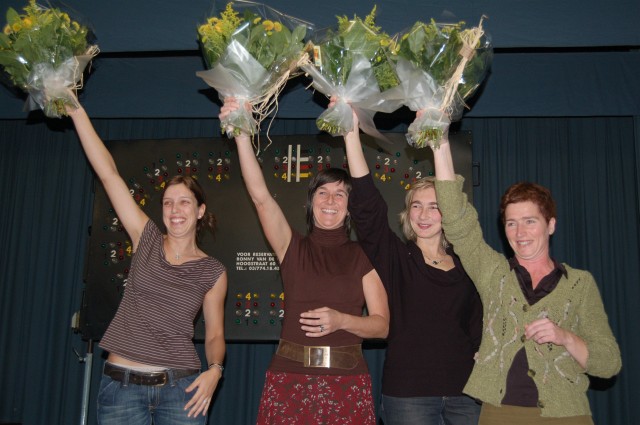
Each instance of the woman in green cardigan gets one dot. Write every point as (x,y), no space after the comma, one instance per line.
(545,327)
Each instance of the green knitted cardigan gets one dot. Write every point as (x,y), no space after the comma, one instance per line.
(575,304)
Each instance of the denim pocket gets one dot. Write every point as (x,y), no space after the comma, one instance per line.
(108,391)
(183,384)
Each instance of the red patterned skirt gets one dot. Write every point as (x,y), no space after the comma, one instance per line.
(292,398)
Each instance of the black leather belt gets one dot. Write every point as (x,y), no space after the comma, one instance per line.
(152,379)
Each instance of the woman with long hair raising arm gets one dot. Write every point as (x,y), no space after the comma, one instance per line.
(152,373)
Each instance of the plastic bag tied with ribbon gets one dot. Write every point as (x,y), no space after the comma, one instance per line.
(440,66)
(353,64)
(44,53)
(251,51)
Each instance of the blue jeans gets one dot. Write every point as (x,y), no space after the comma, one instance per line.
(460,410)
(123,403)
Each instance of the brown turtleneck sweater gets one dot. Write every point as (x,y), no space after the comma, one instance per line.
(324,269)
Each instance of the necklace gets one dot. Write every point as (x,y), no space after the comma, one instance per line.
(435,262)
(177,255)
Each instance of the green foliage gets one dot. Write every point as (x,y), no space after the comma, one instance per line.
(356,37)
(272,43)
(436,50)
(38,36)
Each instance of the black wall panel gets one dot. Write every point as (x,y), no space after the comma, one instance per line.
(255,303)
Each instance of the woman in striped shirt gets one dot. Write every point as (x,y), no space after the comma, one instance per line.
(152,373)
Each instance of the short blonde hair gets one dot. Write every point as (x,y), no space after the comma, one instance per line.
(405,222)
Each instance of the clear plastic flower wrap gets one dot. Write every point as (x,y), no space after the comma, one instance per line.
(440,66)
(44,53)
(353,64)
(251,51)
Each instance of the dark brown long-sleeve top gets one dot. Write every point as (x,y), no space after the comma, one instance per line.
(436,316)
(324,269)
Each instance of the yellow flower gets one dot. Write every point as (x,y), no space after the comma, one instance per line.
(268,25)
(258,19)
(27,46)
(218,27)
(230,16)
(277,26)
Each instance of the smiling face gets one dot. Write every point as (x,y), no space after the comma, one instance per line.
(330,205)
(424,215)
(527,231)
(180,210)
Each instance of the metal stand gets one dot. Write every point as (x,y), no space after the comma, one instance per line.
(86,385)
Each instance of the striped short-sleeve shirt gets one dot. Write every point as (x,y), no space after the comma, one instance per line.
(154,322)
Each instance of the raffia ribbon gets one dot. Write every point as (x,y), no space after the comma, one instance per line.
(50,87)
(267,104)
(470,40)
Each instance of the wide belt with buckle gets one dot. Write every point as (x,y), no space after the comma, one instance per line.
(156,379)
(344,357)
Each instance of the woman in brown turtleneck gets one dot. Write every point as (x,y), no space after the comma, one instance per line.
(318,374)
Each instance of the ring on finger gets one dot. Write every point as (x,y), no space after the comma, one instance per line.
(321,328)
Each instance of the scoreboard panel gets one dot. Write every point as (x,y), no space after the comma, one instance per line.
(255,304)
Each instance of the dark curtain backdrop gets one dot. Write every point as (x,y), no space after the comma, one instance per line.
(591,165)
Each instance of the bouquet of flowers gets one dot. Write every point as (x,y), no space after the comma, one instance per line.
(353,64)
(440,66)
(44,53)
(250,56)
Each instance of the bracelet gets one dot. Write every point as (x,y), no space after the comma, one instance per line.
(218,365)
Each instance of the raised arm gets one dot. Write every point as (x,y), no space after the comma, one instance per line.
(132,217)
(443,161)
(353,147)
(274,223)
(369,210)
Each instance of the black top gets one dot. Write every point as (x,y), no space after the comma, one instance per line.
(521,389)
(436,315)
